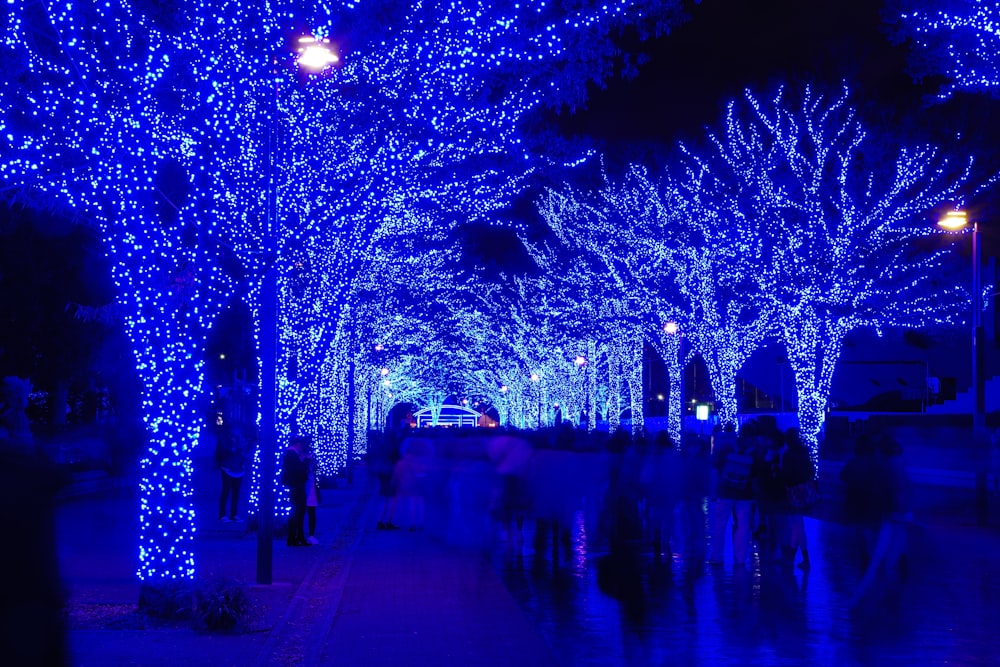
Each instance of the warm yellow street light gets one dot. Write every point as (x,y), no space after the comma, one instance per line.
(954,221)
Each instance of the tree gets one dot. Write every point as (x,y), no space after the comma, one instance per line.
(423,129)
(958,39)
(839,217)
(180,130)
(675,256)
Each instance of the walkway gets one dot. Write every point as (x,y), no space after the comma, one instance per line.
(372,597)
(362,597)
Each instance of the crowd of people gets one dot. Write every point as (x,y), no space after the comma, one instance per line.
(737,495)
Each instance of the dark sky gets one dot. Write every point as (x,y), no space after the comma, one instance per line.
(729,45)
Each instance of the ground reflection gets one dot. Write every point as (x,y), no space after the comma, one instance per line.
(662,611)
(607,549)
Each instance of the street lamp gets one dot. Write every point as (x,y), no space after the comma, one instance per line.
(675,369)
(309,58)
(315,53)
(955,221)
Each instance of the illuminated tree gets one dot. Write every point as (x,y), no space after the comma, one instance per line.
(959,39)
(593,340)
(421,129)
(838,217)
(151,119)
(677,257)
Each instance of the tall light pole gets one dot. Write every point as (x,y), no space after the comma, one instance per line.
(675,370)
(955,221)
(315,55)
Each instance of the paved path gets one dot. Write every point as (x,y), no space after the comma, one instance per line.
(403,598)
(362,597)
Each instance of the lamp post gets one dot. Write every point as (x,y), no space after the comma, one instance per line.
(315,55)
(535,378)
(675,369)
(956,221)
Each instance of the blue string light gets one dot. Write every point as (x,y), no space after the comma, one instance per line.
(957,38)
(151,120)
(791,222)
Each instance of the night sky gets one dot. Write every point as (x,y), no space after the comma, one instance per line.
(728,46)
(725,47)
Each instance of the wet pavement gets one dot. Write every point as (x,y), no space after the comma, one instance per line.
(458,593)
(945,611)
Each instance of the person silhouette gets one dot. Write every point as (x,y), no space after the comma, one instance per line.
(295,475)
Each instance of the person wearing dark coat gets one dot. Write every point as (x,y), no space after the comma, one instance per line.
(230,455)
(295,475)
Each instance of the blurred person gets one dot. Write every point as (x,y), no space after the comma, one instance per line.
(408,479)
(295,475)
(695,487)
(862,490)
(32,603)
(312,495)
(660,481)
(736,469)
(796,468)
(894,503)
(383,459)
(772,500)
(510,503)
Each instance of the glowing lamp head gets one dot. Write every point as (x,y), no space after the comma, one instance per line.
(954,221)
(580,360)
(315,54)
(534,377)
(503,389)
(671,328)
(384,371)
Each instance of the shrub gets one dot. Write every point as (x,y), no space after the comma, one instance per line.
(221,606)
(166,600)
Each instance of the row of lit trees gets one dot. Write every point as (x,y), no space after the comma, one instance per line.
(150,120)
(790,223)
(145,119)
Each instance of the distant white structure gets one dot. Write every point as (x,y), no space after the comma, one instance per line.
(450,415)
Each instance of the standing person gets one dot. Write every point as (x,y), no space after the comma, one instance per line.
(383,460)
(796,468)
(230,455)
(408,479)
(733,458)
(295,475)
(863,492)
(312,496)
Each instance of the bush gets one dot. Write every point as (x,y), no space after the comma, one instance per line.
(166,600)
(210,606)
(222,606)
